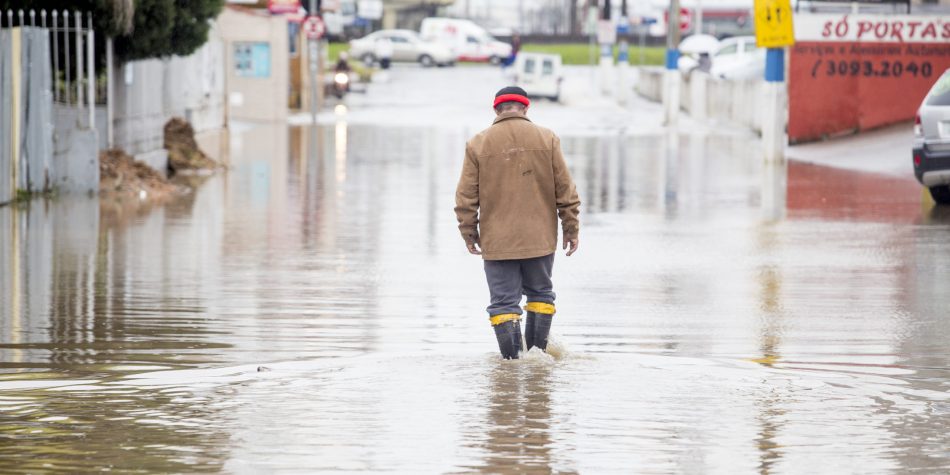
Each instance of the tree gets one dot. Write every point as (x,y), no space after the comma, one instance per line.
(573,15)
(141,28)
(167,27)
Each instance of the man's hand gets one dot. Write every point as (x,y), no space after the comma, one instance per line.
(573,245)
(473,249)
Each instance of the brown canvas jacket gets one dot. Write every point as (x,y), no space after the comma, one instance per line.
(514,186)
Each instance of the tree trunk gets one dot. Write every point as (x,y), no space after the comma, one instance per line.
(575,30)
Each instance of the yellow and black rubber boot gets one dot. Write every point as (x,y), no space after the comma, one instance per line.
(538,325)
(508,331)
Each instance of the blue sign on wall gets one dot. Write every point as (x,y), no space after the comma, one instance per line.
(252,60)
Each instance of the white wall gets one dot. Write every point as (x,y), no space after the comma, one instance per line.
(256,98)
(150,92)
(708,98)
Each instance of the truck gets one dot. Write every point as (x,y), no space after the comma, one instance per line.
(466,40)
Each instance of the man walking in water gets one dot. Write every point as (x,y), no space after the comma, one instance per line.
(514,186)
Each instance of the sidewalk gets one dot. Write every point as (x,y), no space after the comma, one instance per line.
(884,151)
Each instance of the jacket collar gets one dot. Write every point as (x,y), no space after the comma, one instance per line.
(510,115)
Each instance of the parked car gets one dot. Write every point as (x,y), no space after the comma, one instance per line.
(932,140)
(696,53)
(539,74)
(407,46)
(738,58)
(468,41)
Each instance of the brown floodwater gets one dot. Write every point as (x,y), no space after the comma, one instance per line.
(313,309)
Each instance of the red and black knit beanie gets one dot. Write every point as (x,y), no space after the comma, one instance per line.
(512,94)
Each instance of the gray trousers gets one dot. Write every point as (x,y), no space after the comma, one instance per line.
(508,280)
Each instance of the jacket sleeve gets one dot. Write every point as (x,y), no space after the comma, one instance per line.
(565,194)
(466,199)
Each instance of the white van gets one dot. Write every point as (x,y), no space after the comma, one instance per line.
(468,41)
(539,74)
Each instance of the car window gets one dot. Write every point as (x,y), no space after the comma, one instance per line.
(529,66)
(731,49)
(748,46)
(471,39)
(547,67)
(398,39)
(940,94)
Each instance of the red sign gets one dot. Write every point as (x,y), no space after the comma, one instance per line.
(314,27)
(686,19)
(857,72)
(891,28)
(279,7)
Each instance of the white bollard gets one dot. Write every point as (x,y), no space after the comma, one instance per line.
(774,137)
(773,122)
(607,75)
(698,91)
(671,96)
(623,83)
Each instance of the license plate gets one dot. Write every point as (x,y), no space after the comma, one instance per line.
(943,127)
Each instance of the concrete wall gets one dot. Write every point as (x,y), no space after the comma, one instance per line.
(75,154)
(148,93)
(708,98)
(650,83)
(256,98)
(737,101)
(851,78)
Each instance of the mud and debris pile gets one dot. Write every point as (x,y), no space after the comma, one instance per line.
(183,151)
(121,176)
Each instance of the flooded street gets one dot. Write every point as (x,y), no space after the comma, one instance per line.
(314,309)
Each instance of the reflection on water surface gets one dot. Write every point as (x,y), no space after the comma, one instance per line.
(313,308)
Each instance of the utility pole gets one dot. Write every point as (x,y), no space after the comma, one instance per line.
(607,29)
(314,60)
(521,16)
(572,15)
(671,96)
(623,56)
(673,27)
(699,18)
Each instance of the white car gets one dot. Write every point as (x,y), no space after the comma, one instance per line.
(931,151)
(407,46)
(539,74)
(695,51)
(738,58)
(468,41)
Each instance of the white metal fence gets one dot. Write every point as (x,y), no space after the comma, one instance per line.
(48,82)
(72,51)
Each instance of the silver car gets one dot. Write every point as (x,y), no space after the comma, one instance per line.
(932,140)
(406,46)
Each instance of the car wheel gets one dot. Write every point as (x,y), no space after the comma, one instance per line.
(426,61)
(494,60)
(368,59)
(941,194)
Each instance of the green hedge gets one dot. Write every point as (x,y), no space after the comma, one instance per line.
(579,53)
(336,48)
